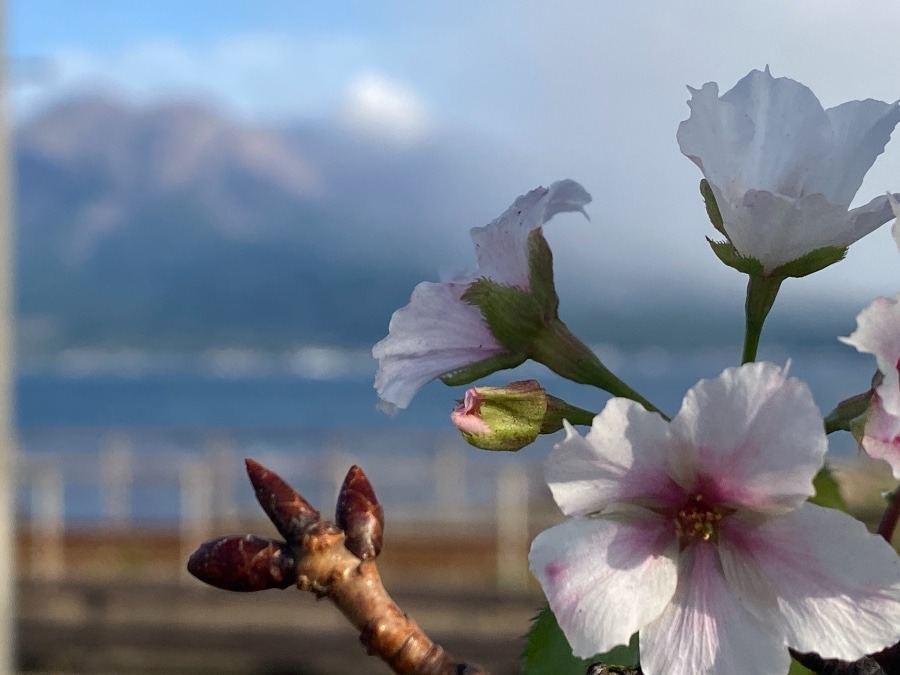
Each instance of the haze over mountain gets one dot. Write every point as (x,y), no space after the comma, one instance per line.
(172,227)
(175,226)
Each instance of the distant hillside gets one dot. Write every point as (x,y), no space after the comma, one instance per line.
(175,227)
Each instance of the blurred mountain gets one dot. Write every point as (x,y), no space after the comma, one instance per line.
(175,227)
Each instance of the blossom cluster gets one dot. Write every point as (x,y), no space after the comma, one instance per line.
(694,532)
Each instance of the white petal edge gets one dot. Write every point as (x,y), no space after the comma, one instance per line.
(753,435)
(878,333)
(501,245)
(860,131)
(623,457)
(763,134)
(605,579)
(837,586)
(436,333)
(895,228)
(776,230)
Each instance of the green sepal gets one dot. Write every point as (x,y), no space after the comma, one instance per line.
(540,272)
(828,493)
(810,262)
(712,209)
(548,653)
(559,410)
(476,371)
(513,315)
(798,668)
(848,411)
(727,253)
(858,428)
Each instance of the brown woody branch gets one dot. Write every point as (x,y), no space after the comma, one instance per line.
(334,560)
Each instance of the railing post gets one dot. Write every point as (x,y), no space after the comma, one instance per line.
(116,476)
(222,458)
(450,482)
(195,521)
(512,526)
(47,524)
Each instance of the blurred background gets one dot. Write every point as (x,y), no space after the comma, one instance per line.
(217,207)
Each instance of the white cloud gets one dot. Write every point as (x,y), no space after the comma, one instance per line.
(385,110)
(261,75)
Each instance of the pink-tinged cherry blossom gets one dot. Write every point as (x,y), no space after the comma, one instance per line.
(439,332)
(878,333)
(783,169)
(696,534)
(895,228)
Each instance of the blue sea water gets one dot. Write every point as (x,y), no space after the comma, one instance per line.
(173,415)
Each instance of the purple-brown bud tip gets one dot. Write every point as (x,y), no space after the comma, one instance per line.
(360,515)
(291,514)
(244,563)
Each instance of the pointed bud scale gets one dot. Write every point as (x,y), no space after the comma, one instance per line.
(244,563)
(289,512)
(360,515)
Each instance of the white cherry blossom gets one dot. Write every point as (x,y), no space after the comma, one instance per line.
(783,169)
(697,534)
(878,333)
(438,332)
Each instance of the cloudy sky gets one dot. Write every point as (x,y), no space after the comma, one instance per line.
(583,89)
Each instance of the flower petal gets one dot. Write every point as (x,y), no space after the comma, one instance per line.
(753,435)
(436,333)
(605,579)
(706,630)
(881,438)
(895,228)
(776,229)
(860,130)
(500,246)
(836,585)
(763,134)
(623,457)
(878,333)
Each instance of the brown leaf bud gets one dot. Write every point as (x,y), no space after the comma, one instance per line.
(360,515)
(291,514)
(244,563)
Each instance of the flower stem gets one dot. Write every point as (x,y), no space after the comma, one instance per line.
(566,355)
(890,517)
(761,293)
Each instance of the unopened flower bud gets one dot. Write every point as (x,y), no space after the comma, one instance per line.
(291,514)
(244,563)
(360,515)
(511,417)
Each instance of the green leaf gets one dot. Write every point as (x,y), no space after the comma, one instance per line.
(728,254)
(798,668)
(513,315)
(712,209)
(811,262)
(548,653)
(828,493)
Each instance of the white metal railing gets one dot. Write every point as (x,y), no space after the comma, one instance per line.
(128,479)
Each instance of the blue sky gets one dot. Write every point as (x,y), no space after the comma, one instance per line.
(41,26)
(576,88)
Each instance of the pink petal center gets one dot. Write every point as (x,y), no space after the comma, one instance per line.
(698,519)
